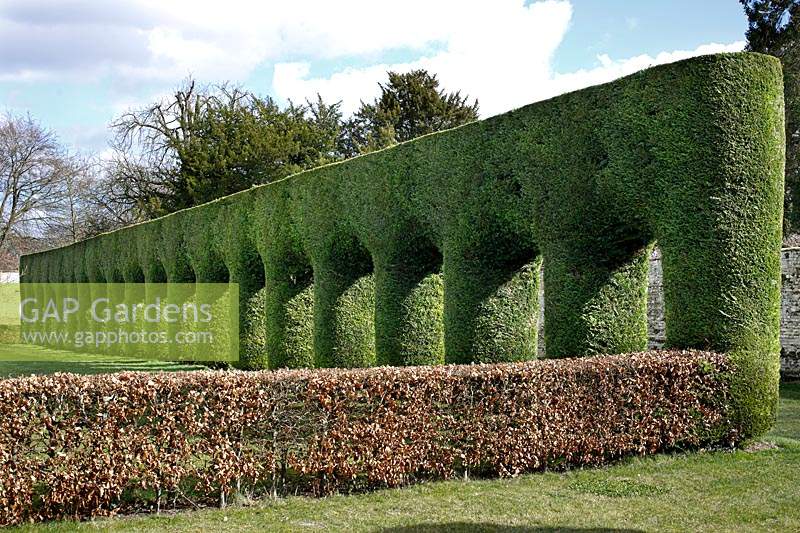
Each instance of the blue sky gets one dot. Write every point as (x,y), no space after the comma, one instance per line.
(74,65)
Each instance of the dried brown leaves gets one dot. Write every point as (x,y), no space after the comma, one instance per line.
(81,446)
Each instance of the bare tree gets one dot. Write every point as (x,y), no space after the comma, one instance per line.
(104,208)
(145,170)
(85,209)
(33,171)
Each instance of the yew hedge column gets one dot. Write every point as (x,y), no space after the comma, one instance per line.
(115,288)
(246,269)
(594,304)
(409,300)
(490,304)
(248,272)
(134,292)
(81,280)
(61,275)
(211,269)
(288,310)
(720,229)
(344,307)
(288,282)
(153,276)
(94,275)
(172,255)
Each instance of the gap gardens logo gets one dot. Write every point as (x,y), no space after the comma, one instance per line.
(171,322)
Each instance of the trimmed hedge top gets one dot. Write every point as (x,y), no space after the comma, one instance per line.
(429,251)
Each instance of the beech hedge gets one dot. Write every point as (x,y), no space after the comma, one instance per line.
(80,446)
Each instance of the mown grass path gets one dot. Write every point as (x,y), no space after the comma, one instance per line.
(23,360)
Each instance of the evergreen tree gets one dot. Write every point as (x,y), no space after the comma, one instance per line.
(774,27)
(410,105)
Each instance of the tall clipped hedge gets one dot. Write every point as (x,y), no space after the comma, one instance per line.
(428,251)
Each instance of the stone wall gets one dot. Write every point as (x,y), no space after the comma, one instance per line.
(656,333)
(790,312)
(790,309)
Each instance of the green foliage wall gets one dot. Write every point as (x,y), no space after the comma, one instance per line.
(428,251)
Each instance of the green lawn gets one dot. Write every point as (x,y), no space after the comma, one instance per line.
(756,490)
(25,359)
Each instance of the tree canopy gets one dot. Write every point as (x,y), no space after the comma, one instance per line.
(409,105)
(774,26)
(205,143)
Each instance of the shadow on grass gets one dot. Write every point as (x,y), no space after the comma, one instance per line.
(480,527)
(790,390)
(24,359)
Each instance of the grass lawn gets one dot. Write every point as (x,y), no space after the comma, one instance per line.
(25,359)
(756,490)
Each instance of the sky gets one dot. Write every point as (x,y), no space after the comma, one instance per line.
(76,65)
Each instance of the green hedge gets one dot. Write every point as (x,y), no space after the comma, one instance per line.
(427,251)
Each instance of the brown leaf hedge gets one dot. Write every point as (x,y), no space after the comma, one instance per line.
(80,446)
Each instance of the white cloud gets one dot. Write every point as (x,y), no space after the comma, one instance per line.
(498,54)
(144,45)
(500,51)
(158,39)
(502,77)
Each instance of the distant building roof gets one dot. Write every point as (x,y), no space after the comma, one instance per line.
(9,277)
